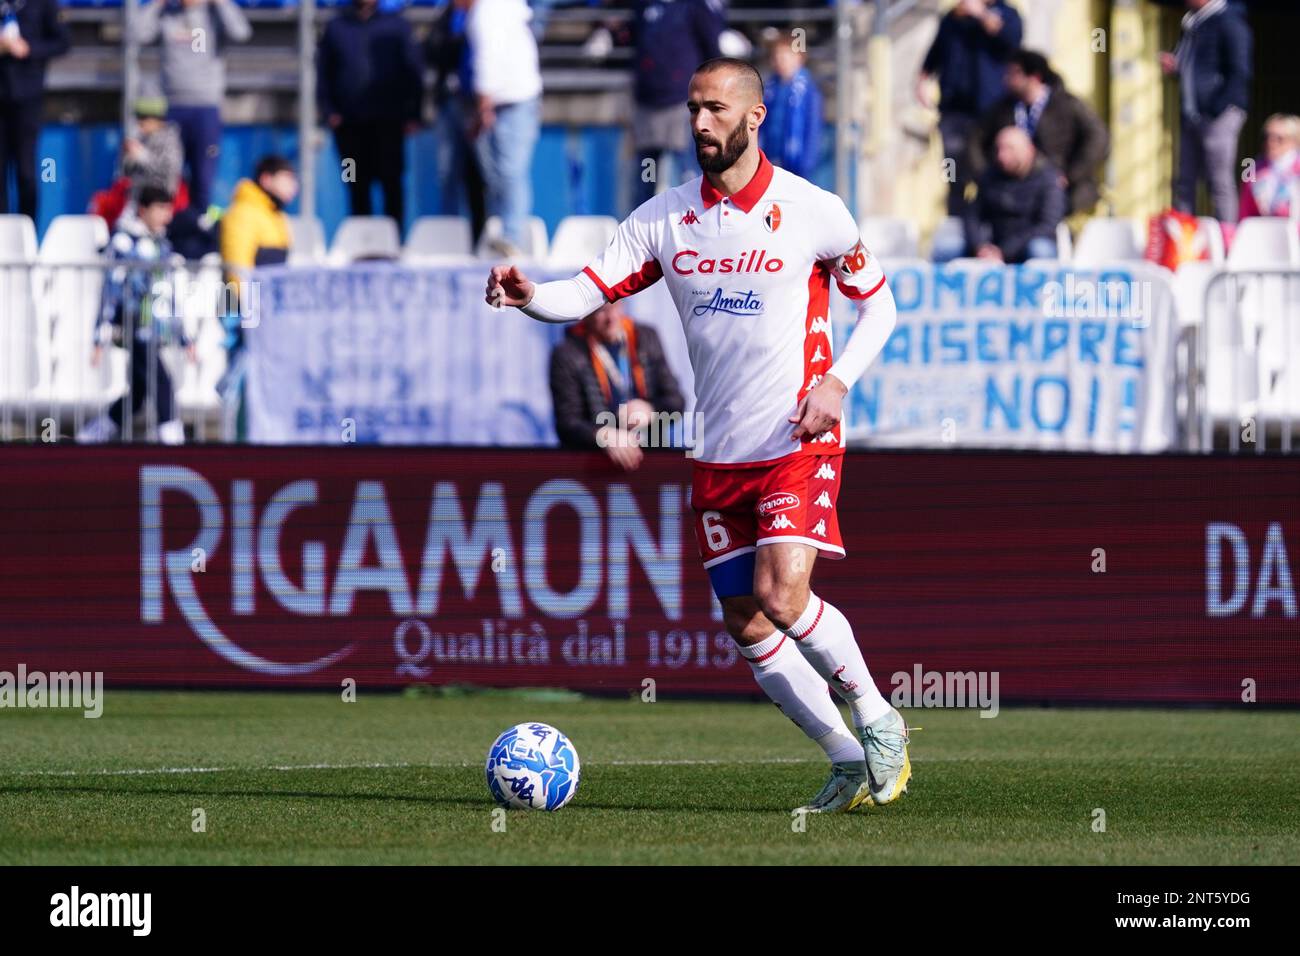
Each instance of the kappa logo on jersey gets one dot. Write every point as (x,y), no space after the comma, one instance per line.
(777,502)
(689,218)
(827,437)
(823,500)
(819,528)
(780,523)
(820,324)
(688,262)
(853,260)
(818,356)
(731,303)
(772,218)
(825,471)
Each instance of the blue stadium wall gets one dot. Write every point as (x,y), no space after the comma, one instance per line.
(576,170)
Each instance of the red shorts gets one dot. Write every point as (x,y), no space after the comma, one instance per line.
(740,509)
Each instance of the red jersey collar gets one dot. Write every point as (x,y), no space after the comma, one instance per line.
(747,197)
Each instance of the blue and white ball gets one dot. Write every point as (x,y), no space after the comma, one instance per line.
(532,767)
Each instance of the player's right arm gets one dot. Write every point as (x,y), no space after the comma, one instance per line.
(627,265)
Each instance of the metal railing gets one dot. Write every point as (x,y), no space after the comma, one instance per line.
(1246,379)
(64,377)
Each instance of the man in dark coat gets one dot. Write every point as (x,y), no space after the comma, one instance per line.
(31,34)
(1019,204)
(370,85)
(968,57)
(609,377)
(1064,129)
(1214,67)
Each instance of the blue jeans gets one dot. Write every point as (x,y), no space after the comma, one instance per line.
(505,153)
(200,128)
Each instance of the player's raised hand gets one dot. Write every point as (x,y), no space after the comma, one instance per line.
(508,286)
(819,410)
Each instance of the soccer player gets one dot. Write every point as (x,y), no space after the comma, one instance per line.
(748,252)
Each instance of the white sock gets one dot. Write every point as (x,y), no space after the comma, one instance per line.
(800,693)
(825,638)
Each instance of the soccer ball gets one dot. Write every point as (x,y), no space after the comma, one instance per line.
(532,767)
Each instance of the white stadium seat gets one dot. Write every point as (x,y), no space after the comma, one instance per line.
(438,238)
(579,239)
(1064,243)
(888,237)
(69,284)
(1209,227)
(1105,240)
(306,241)
(19,365)
(365,237)
(196,383)
(1264,242)
(75,240)
(535,244)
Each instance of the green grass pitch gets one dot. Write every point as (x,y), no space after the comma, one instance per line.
(309,779)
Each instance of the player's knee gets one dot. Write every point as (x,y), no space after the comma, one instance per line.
(744,621)
(780,602)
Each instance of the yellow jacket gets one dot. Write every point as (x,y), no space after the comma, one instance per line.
(253,231)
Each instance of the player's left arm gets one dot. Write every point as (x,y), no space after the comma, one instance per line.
(859,276)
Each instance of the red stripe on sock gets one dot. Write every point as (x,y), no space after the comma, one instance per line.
(820,608)
(763,657)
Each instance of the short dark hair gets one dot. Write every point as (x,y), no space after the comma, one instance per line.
(749,76)
(270,165)
(152,196)
(1035,64)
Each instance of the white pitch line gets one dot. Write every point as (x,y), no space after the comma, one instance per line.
(146,771)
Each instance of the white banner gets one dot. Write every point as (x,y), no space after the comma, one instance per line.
(383,354)
(1023,357)
(994,357)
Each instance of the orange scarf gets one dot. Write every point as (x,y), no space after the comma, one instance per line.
(634,360)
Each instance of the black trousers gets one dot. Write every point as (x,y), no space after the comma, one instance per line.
(143,355)
(378,149)
(20,124)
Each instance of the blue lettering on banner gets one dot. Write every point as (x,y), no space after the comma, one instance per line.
(1020,353)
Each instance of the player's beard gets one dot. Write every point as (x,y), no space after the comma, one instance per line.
(735,146)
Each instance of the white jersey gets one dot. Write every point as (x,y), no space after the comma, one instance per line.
(750,276)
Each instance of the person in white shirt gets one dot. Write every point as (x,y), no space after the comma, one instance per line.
(507,88)
(748,252)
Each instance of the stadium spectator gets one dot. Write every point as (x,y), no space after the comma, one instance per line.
(1018,205)
(1064,129)
(192,34)
(506,120)
(447,51)
(791,133)
(608,363)
(1274,189)
(31,34)
(1213,66)
(969,57)
(154,156)
(133,305)
(370,85)
(254,232)
(669,41)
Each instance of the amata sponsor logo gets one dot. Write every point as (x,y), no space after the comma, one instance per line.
(688,262)
(743,303)
(777,502)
